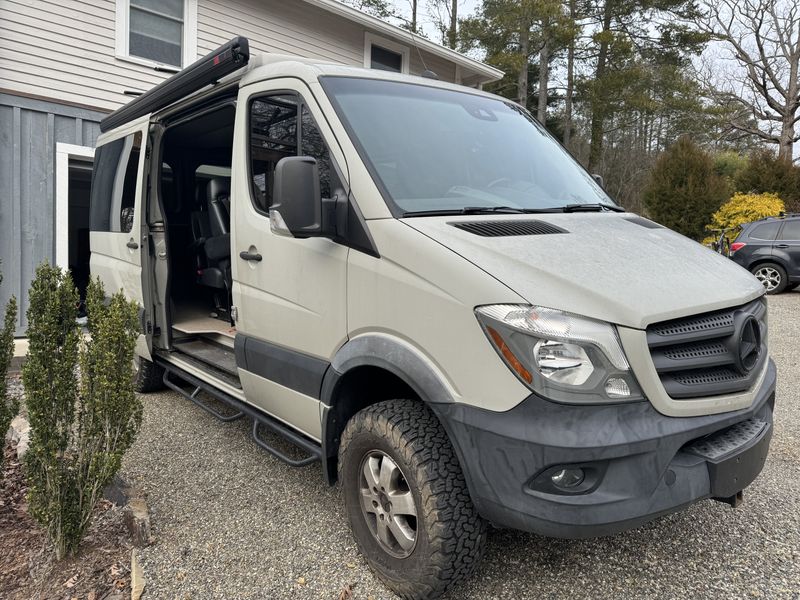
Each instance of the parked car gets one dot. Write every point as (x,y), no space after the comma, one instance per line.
(417,286)
(770,250)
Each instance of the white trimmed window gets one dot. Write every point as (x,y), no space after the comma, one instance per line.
(157,32)
(385,55)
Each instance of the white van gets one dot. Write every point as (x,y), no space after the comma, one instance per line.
(415,285)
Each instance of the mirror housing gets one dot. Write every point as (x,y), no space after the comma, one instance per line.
(296,201)
(598,179)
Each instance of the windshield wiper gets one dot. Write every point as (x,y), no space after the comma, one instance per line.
(479,210)
(597,207)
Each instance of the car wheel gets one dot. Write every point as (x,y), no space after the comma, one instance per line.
(147,376)
(772,276)
(407,501)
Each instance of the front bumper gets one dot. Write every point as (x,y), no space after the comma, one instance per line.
(641,464)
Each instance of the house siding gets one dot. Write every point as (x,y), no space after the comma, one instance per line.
(73,45)
(29,131)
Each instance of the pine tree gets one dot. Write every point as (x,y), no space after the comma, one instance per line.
(684,189)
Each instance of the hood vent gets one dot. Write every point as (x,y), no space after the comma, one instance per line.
(644,222)
(505,228)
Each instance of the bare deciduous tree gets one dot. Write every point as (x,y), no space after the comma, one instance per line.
(763,36)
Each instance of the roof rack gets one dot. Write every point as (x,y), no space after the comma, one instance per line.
(211,68)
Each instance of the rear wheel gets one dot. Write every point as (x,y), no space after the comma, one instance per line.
(407,501)
(772,276)
(147,376)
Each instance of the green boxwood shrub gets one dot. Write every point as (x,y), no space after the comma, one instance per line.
(9,406)
(82,409)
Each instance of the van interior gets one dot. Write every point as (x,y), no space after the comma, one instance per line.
(195,203)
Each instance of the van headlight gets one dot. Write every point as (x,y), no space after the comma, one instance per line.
(561,356)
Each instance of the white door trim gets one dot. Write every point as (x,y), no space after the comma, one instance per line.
(63,153)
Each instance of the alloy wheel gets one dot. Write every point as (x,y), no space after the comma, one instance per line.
(769,277)
(387,504)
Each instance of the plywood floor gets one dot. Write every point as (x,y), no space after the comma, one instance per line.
(194,320)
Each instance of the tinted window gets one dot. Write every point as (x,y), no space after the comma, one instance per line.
(113,197)
(767,231)
(386,60)
(791,231)
(274,135)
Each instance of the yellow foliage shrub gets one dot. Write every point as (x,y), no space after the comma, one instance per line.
(741,209)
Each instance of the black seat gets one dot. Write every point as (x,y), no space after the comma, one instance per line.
(218,196)
(217,245)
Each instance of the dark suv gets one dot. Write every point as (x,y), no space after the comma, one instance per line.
(770,250)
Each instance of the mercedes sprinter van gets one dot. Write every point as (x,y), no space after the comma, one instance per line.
(413,284)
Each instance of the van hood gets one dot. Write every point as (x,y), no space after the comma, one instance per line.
(615,267)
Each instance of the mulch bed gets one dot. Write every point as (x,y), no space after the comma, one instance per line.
(28,569)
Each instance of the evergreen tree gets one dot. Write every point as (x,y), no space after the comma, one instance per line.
(684,189)
(767,173)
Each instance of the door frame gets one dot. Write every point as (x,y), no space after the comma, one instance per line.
(64,152)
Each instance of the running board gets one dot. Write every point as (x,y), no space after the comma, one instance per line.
(312,449)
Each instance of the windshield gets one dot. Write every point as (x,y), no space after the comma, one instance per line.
(432,149)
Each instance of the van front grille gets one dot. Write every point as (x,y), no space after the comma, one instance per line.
(715,353)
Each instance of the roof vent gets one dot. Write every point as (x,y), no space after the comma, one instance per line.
(507,228)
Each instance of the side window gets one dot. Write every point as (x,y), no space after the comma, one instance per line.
(791,231)
(313,145)
(767,231)
(274,134)
(113,196)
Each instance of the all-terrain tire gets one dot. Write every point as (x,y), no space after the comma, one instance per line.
(450,535)
(147,376)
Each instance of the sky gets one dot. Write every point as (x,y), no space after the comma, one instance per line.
(465,7)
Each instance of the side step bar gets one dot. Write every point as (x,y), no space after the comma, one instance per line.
(312,450)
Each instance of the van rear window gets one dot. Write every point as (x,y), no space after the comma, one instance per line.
(113,196)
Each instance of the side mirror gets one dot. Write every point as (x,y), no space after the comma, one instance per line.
(296,202)
(598,179)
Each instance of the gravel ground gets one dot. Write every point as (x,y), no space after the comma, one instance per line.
(232,522)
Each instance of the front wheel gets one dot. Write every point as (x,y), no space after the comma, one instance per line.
(772,276)
(407,501)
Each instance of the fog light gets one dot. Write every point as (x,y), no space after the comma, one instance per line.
(567,478)
(617,388)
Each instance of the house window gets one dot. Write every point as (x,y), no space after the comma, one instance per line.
(385,55)
(159,32)
(386,60)
(156,30)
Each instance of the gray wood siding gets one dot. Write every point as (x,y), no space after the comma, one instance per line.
(29,131)
(74,59)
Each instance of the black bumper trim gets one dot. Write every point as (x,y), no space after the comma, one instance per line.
(648,471)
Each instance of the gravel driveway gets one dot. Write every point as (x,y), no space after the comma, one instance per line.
(232,522)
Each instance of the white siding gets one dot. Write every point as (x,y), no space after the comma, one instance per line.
(64,50)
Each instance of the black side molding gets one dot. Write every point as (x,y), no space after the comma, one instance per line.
(293,370)
(209,69)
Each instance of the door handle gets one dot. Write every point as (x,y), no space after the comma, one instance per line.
(781,245)
(245,255)
(132,245)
